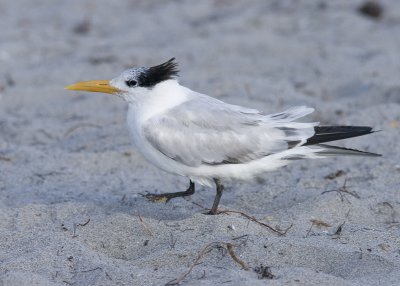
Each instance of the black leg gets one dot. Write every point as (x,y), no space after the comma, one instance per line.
(220,189)
(167,196)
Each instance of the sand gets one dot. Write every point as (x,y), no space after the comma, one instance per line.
(71,212)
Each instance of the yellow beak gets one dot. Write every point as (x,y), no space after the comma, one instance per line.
(94,86)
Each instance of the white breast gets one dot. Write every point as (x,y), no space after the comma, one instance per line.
(161,98)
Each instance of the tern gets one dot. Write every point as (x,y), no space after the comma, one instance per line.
(209,141)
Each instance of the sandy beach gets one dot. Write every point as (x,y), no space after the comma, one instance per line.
(71,209)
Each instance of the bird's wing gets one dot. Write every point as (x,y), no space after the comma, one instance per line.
(205,130)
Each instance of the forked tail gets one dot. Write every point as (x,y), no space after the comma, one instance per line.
(332,133)
(337,151)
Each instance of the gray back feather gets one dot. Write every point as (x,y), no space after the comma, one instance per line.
(205,130)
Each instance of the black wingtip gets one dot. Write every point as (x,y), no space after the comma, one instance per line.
(337,151)
(332,133)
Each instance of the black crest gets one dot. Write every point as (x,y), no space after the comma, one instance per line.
(157,74)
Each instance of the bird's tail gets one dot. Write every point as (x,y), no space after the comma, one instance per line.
(328,150)
(332,133)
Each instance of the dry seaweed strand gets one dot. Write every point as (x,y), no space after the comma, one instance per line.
(341,191)
(257,221)
(334,175)
(145,226)
(197,204)
(319,223)
(229,247)
(201,253)
(75,227)
(280,232)
(84,224)
(206,249)
(80,125)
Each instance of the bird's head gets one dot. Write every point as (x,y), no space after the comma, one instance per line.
(133,82)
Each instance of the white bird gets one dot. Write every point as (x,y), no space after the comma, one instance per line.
(209,141)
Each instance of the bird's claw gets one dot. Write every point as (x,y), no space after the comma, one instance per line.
(156,198)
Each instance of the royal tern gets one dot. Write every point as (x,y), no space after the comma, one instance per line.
(209,141)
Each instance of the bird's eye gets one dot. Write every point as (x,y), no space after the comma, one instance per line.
(131,83)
